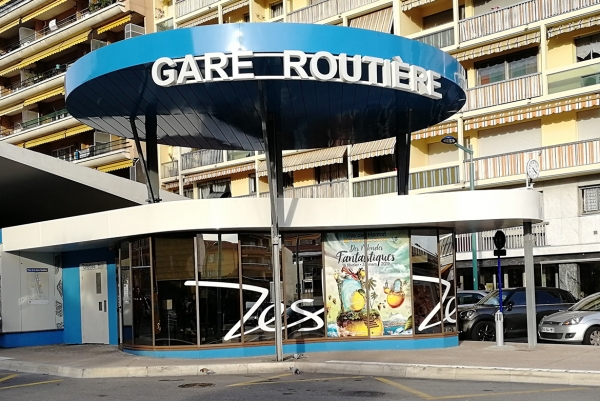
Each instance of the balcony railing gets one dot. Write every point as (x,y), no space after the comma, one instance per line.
(199,158)
(36,122)
(17,86)
(499,20)
(335,189)
(514,238)
(10,6)
(574,78)
(439,39)
(325,9)
(509,91)
(189,6)
(550,158)
(170,169)
(96,150)
(418,180)
(551,8)
(79,15)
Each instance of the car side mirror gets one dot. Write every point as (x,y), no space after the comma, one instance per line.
(509,306)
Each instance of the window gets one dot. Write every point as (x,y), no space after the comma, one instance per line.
(587,47)
(503,68)
(188,193)
(215,189)
(277,9)
(288,179)
(438,19)
(333,172)
(64,153)
(591,195)
(165,25)
(517,299)
(247,17)
(547,297)
(252,183)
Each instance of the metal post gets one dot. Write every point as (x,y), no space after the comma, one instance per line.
(473,235)
(530,286)
(275,191)
(499,314)
(402,155)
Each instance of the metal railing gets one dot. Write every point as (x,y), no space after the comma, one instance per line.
(550,158)
(11,6)
(418,180)
(325,9)
(17,86)
(334,189)
(199,158)
(55,27)
(189,6)
(439,39)
(503,92)
(36,122)
(514,238)
(96,150)
(170,169)
(551,8)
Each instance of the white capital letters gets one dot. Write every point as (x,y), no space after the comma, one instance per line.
(158,72)
(400,74)
(373,63)
(314,66)
(418,79)
(237,65)
(356,68)
(297,65)
(190,73)
(215,62)
(432,85)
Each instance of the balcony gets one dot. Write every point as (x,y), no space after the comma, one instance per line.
(499,20)
(576,76)
(555,157)
(325,9)
(185,7)
(418,180)
(199,158)
(170,169)
(514,238)
(36,122)
(335,189)
(34,80)
(11,6)
(504,92)
(552,8)
(99,154)
(439,39)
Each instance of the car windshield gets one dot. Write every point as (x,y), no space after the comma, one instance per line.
(591,303)
(491,299)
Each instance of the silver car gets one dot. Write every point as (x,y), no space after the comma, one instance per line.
(578,324)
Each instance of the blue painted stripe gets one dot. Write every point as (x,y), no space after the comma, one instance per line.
(33,338)
(325,346)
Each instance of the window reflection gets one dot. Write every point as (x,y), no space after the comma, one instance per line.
(447,276)
(142,292)
(126,294)
(426,287)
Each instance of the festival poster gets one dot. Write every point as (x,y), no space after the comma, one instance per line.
(350,288)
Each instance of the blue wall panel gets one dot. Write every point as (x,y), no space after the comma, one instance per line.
(72,296)
(12,340)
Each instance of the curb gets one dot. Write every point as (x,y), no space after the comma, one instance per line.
(396,370)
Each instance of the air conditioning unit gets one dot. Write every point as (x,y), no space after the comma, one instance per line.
(590,80)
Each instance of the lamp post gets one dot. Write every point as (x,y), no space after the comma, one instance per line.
(450,140)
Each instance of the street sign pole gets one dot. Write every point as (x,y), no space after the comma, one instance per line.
(499,242)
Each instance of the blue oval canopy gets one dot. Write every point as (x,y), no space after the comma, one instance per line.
(111,85)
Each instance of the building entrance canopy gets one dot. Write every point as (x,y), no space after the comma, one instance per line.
(323,85)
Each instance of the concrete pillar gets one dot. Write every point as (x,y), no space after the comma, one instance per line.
(530,289)
(569,279)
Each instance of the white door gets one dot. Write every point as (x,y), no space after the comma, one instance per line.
(94,303)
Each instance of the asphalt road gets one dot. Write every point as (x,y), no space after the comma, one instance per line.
(292,387)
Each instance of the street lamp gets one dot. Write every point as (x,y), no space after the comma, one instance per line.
(450,140)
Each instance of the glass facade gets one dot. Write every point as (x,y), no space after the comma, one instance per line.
(208,289)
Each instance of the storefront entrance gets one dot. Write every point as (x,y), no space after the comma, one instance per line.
(94,303)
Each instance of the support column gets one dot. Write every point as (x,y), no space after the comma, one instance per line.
(274,172)
(152,155)
(402,155)
(179,170)
(530,287)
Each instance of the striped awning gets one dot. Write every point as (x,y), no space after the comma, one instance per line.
(235,6)
(114,24)
(3,2)
(436,130)
(305,160)
(11,109)
(172,185)
(52,92)
(199,20)
(42,10)
(574,26)
(537,111)
(115,166)
(57,136)
(380,21)
(498,47)
(408,4)
(366,150)
(10,25)
(81,37)
(205,175)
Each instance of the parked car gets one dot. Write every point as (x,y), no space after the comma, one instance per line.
(470,297)
(579,324)
(478,322)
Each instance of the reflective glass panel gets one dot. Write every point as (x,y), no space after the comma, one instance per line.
(126,294)
(142,292)
(448,280)
(426,282)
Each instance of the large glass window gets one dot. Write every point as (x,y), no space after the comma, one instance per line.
(426,284)
(587,47)
(503,68)
(448,280)
(126,294)
(215,189)
(141,277)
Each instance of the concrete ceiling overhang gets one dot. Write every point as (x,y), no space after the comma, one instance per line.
(35,187)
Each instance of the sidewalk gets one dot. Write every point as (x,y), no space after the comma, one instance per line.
(549,363)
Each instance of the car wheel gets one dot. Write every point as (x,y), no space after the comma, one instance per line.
(592,336)
(484,331)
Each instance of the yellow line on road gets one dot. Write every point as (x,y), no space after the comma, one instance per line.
(260,381)
(406,388)
(553,390)
(8,377)
(30,384)
(322,379)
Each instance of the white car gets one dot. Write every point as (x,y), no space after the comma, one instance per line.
(578,324)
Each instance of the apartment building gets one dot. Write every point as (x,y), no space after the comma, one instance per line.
(533,71)
(39,40)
